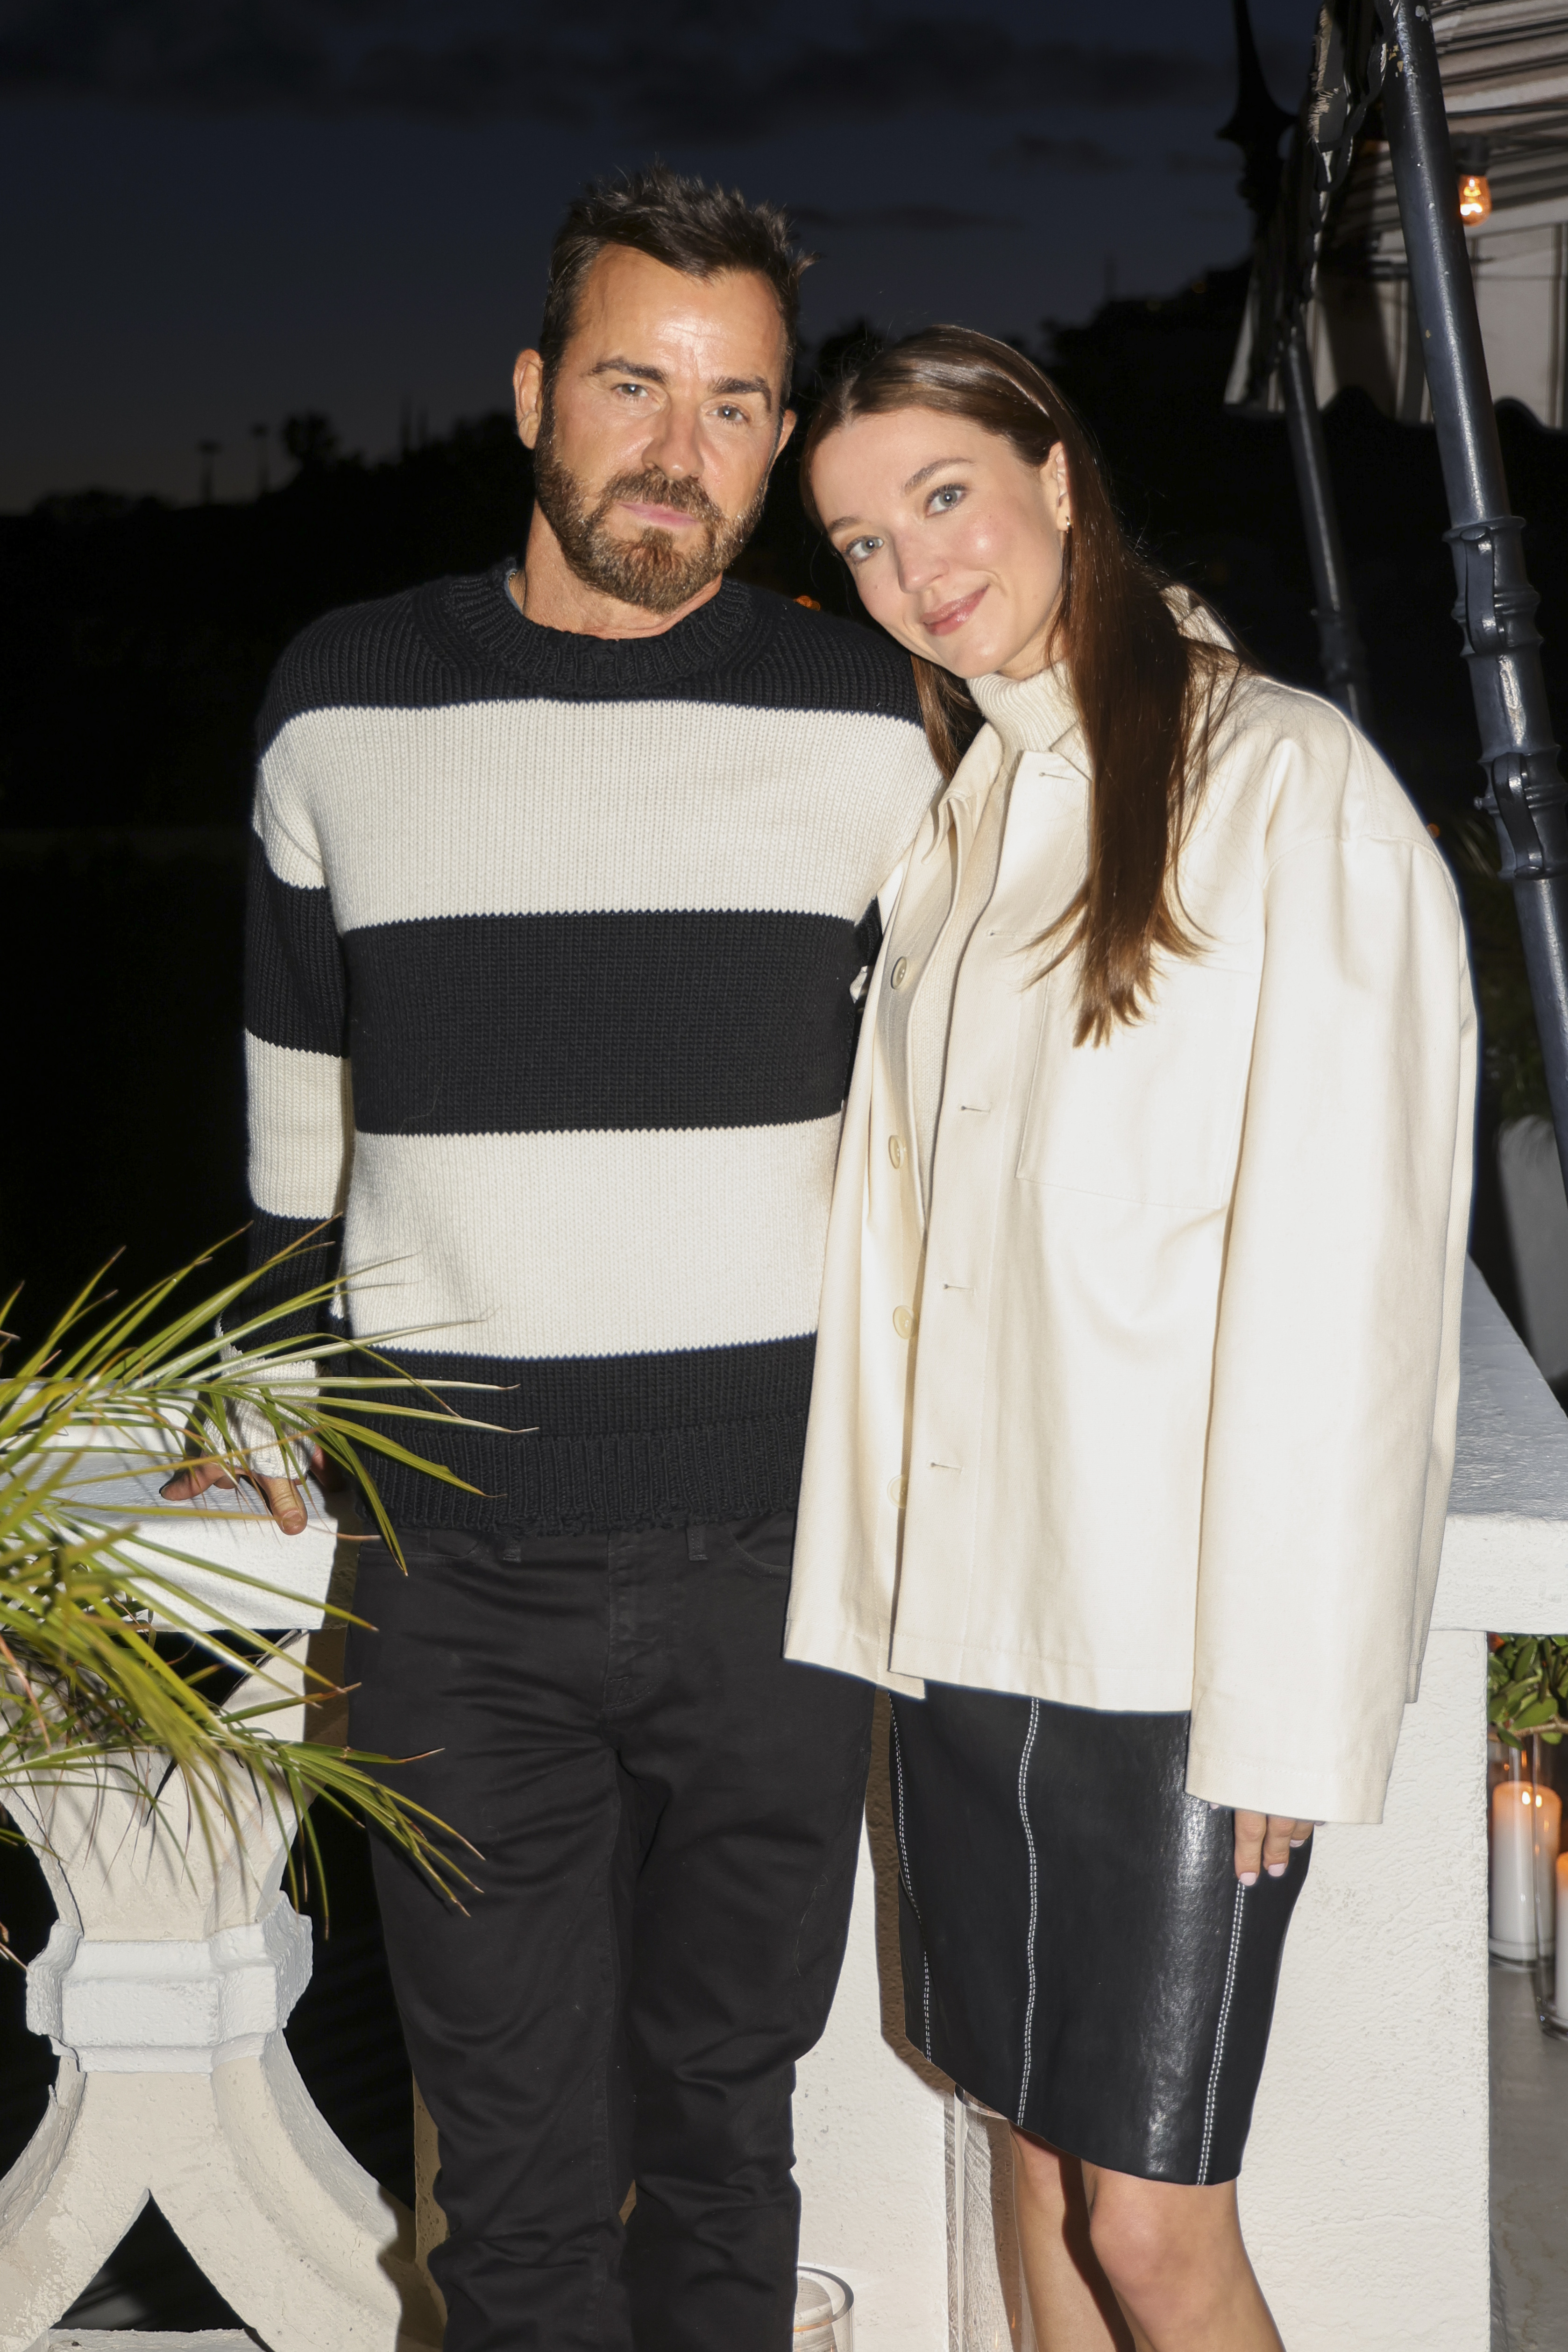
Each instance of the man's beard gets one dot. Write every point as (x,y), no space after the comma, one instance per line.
(656,570)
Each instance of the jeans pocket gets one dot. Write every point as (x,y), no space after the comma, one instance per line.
(766,1544)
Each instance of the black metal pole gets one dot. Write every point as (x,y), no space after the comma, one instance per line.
(1341,650)
(1525,789)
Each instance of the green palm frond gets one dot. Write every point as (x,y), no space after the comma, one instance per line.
(84,1677)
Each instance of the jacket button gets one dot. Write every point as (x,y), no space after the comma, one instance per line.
(896,977)
(897,1490)
(903,1322)
(896,1151)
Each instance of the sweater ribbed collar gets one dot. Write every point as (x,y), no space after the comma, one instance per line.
(1029,714)
(559,660)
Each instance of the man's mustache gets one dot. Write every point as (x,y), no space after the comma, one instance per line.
(653,487)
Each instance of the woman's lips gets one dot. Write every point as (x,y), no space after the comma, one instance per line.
(948,617)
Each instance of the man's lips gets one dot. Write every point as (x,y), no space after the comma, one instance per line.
(655,517)
(948,617)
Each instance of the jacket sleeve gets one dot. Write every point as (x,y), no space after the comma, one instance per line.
(298,1114)
(1336,1365)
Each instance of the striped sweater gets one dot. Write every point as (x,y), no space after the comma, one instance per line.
(551,950)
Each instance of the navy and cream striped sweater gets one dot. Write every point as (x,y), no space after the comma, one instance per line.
(550,948)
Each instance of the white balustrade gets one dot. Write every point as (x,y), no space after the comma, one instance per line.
(167,1982)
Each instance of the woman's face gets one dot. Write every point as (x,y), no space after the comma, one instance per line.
(954,543)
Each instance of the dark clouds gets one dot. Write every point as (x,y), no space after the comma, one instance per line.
(695,71)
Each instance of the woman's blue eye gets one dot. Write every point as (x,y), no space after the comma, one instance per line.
(946,498)
(860,548)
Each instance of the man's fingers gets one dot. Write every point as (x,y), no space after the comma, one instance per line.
(283,1498)
(1250,1834)
(195,1480)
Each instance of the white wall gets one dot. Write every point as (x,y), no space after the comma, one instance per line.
(868,2119)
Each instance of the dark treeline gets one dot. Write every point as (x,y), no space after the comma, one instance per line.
(138,637)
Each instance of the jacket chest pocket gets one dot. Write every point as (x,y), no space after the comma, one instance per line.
(1155,1115)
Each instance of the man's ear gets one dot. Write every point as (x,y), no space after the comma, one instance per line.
(528,388)
(787,424)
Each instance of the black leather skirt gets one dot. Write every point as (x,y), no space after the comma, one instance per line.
(1078,1952)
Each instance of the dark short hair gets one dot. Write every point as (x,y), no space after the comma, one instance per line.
(685,223)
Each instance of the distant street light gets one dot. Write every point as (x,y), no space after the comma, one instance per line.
(208,451)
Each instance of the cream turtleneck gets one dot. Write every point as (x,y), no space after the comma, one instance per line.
(1028,715)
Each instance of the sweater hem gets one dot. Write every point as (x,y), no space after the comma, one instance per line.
(613,1484)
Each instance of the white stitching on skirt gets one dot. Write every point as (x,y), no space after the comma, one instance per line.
(904,1870)
(1033,1902)
(1212,2100)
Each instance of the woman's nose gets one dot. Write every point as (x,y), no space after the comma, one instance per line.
(918,566)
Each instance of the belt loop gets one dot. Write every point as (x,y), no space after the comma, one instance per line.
(696,1543)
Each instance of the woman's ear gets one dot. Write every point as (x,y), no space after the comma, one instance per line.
(1060,490)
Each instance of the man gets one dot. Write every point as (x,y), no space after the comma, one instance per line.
(557,878)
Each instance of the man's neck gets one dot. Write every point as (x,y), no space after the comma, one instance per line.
(548,591)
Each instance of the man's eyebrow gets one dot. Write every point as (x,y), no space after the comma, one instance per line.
(733,388)
(728,387)
(617,366)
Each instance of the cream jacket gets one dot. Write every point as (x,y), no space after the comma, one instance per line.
(1156,1410)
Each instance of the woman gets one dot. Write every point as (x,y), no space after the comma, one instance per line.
(1138,1364)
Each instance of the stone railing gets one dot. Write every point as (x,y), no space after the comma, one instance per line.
(167,1982)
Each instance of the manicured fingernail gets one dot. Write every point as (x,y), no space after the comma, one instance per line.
(1296,1841)
(1278,1869)
(1248,1878)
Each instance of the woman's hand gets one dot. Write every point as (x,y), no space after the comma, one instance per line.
(1264,1841)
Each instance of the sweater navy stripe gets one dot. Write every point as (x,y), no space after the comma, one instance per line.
(498,1024)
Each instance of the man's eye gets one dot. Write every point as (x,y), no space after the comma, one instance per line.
(860,548)
(942,501)
(727,413)
(639,389)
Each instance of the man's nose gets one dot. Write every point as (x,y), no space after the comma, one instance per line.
(674,444)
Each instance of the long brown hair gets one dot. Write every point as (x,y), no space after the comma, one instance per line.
(1148,696)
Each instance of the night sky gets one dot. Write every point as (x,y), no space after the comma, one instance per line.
(220,212)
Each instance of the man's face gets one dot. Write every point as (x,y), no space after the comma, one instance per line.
(654,440)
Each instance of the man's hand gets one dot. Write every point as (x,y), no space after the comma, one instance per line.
(281,1495)
(1263,1840)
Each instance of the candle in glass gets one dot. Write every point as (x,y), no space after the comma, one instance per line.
(1526,1824)
(1561,2000)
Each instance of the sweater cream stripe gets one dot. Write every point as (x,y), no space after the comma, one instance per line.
(591,1244)
(471,810)
(301,1131)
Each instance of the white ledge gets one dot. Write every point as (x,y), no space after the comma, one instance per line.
(1505,1554)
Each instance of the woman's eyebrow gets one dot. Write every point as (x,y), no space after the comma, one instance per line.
(936,466)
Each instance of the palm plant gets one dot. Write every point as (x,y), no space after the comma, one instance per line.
(84,1673)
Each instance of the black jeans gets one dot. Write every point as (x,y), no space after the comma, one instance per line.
(668,1819)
